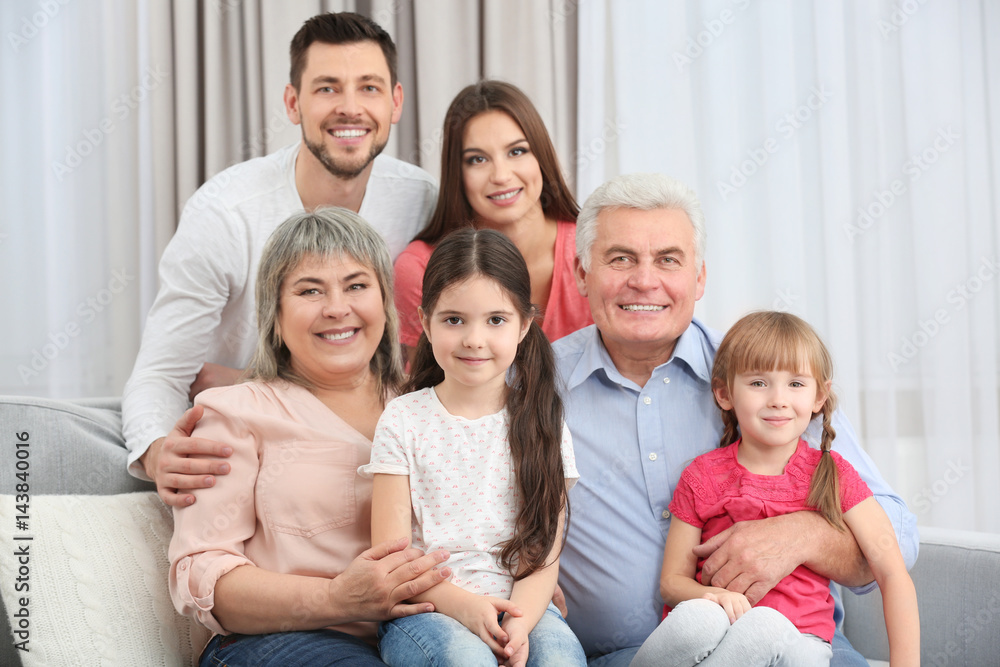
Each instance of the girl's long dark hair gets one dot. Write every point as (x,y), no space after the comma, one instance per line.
(773,340)
(534,408)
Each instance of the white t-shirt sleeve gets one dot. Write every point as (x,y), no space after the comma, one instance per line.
(389,449)
(569,459)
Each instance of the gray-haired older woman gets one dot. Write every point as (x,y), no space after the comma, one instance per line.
(278,550)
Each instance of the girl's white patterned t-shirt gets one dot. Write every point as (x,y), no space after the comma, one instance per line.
(462,487)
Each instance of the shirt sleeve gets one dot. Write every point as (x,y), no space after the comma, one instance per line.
(389,449)
(568,458)
(408,291)
(903,520)
(852,488)
(209,536)
(684,504)
(196,275)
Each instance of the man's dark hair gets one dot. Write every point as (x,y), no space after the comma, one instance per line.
(339,28)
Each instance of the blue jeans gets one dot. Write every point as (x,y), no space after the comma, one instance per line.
(845,655)
(437,640)
(289,649)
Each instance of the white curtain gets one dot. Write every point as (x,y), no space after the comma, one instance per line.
(116,111)
(845,154)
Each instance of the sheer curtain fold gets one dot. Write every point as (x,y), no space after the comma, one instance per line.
(846,163)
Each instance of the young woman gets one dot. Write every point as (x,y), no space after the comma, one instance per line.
(499,171)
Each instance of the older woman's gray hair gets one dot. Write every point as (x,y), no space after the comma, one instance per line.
(324,233)
(646,192)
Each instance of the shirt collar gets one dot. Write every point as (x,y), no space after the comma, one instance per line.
(695,348)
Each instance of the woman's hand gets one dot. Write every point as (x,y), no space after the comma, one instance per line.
(479,614)
(734,604)
(376,583)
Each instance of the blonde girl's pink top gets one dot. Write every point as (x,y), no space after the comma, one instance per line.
(565,312)
(715,492)
(292,502)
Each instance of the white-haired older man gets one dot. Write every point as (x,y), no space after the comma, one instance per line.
(640,408)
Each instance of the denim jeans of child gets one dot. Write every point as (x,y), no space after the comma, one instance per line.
(439,640)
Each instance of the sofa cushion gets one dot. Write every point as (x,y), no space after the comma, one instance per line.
(957,576)
(91,585)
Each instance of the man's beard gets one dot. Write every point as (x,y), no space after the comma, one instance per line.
(343,171)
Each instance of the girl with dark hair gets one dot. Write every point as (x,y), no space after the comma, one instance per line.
(478,455)
(499,171)
(771,375)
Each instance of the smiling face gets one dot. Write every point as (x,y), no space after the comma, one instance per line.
(643,282)
(331,318)
(773,408)
(474,331)
(345,104)
(500,174)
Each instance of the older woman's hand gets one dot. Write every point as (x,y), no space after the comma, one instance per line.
(376,584)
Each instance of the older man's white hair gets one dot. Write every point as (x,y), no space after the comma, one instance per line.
(645,192)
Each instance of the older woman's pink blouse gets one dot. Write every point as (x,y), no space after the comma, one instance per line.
(292,503)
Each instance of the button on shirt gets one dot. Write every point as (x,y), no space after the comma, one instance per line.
(631,445)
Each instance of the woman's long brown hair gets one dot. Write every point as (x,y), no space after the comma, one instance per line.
(453,210)
(534,408)
(772,340)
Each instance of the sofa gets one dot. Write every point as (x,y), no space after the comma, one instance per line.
(83,571)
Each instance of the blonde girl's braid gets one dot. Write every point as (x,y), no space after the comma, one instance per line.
(824,489)
(731,428)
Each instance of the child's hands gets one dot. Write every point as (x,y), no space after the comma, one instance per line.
(479,614)
(515,652)
(734,604)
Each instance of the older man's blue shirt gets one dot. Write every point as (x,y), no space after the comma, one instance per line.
(631,445)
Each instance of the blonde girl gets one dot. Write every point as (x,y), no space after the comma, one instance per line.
(772,375)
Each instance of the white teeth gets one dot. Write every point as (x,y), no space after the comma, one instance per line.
(340,336)
(504,196)
(348,134)
(637,306)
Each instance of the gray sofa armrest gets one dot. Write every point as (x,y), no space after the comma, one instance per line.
(957,577)
(76,447)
